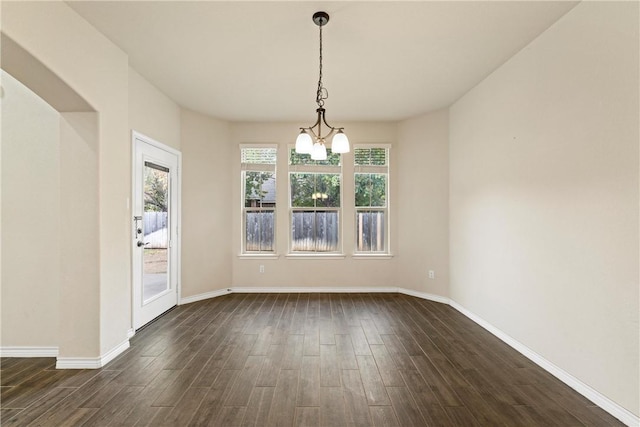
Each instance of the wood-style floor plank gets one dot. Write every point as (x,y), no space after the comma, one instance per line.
(383,416)
(386,366)
(300,359)
(372,381)
(241,391)
(307,417)
(329,367)
(355,402)
(257,413)
(345,352)
(283,404)
(405,407)
(332,412)
(212,402)
(309,385)
(116,408)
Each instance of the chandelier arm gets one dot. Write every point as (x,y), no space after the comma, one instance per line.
(333,130)
(330,134)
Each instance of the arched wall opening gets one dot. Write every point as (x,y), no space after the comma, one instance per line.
(50,213)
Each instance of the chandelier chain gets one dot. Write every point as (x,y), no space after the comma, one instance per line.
(322,93)
(305,141)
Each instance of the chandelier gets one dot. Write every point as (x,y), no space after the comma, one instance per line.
(304,142)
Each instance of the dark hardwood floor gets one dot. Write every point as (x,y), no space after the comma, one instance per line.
(300,359)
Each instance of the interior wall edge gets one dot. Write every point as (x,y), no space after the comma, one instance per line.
(92,362)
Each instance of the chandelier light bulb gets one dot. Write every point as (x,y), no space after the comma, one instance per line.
(304,143)
(319,152)
(340,143)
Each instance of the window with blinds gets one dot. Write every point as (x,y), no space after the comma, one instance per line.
(371,179)
(258,168)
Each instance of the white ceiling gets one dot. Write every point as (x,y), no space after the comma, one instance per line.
(258,61)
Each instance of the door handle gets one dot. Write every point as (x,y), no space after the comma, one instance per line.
(140,243)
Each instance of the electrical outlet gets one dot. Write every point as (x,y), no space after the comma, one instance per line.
(262,269)
(432,274)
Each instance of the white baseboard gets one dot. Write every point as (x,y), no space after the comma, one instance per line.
(424,295)
(596,397)
(206,295)
(28,351)
(114,352)
(92,362)
(130,333)
(78,363)
(315,289)
(284,289)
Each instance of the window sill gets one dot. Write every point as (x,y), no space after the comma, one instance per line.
(316,256)
(372,256)
(258,256)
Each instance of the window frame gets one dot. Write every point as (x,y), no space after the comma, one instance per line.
(373,169)
(315,169)
(257,167)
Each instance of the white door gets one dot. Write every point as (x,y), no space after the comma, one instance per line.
(155,229)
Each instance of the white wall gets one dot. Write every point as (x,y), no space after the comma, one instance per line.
(418,193)
(152,113)
(422,163)
(79,232)
(97,71)
(544,198)
(206,214)
(30,218)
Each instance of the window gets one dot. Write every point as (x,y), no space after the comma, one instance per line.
(371,198)
(258,165)
(314,201)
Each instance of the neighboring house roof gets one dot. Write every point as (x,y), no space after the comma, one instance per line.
(269,189)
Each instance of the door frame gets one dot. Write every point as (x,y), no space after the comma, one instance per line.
(135,135)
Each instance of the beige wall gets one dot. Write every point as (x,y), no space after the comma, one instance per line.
(297,272)
(30,218)
(152,113)
(422,161)
(211,177)
(97,71)
(206,214)
(544,198)
(79,230)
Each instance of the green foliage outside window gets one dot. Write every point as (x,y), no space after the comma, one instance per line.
(371,189)
(156,189)
(315,190)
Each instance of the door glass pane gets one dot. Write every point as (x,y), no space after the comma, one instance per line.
(156,231)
